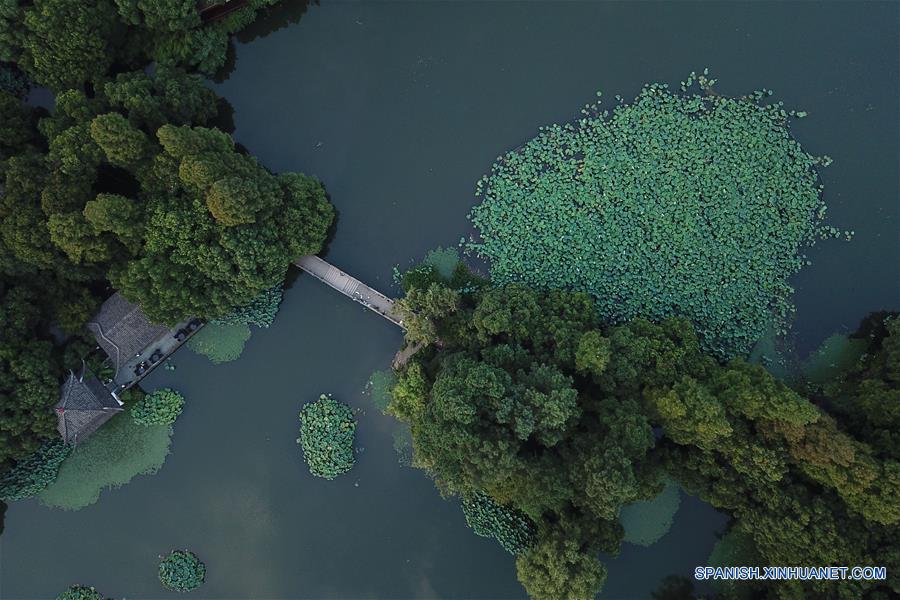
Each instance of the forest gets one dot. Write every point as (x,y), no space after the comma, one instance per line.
(131,184)
(526,405)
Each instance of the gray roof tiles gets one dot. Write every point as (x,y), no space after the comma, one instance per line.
(123,330)
(84,406)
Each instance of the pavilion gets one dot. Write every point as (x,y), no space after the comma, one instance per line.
(85,404)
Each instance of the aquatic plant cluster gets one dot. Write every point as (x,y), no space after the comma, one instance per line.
(678,204)
(109,458)
(35,472)
(160,407)
(220,343)
(182,571)
(80,592)
(260,312)
(327,430)
(510,527)
(646,521)
(379,388)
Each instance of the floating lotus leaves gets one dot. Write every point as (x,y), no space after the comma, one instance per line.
(182,571)
(327,430)
(160,407)
(510,527)
(35,472)
(261,311)
(686,204)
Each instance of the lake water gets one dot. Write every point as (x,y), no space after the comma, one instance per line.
(399,108)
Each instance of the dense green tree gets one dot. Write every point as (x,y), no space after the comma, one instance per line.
(531,400)
(564,562)
(67,43)
(118,215)
(22,222)
(91,195)
(168,96)
(11,14)
(166,15)
(28,377)
(421,308)
(17,129)
(75,152)
(220,229)
(123,144)
(868,397)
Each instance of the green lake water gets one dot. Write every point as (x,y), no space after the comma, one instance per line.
(399,107)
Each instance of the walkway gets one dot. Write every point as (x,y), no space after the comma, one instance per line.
(220,10)
(350,287)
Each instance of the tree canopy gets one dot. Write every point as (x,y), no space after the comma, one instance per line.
(64,44)
(532,401)
(127,185)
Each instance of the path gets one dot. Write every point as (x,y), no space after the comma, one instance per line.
(351,287)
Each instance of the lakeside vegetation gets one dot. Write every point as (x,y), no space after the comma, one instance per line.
(128,185)
(565,421)
(533,401)
(130,444)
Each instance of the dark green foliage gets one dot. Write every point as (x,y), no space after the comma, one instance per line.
(17,130)
(867,397)
(260,312)
(327,430)
(181,571)
(419,310)
(168,96)
(90,196)
(692,205)
(34,472)
(66,43)
(80,592)
(160,15)
(204,253)
(13,80)
(530,400)
(510,527)
(123,144)
(160,407)
(176,38)
(735,549)
(562,563)
(28,376)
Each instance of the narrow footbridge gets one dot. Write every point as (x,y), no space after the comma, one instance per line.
(351,287)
